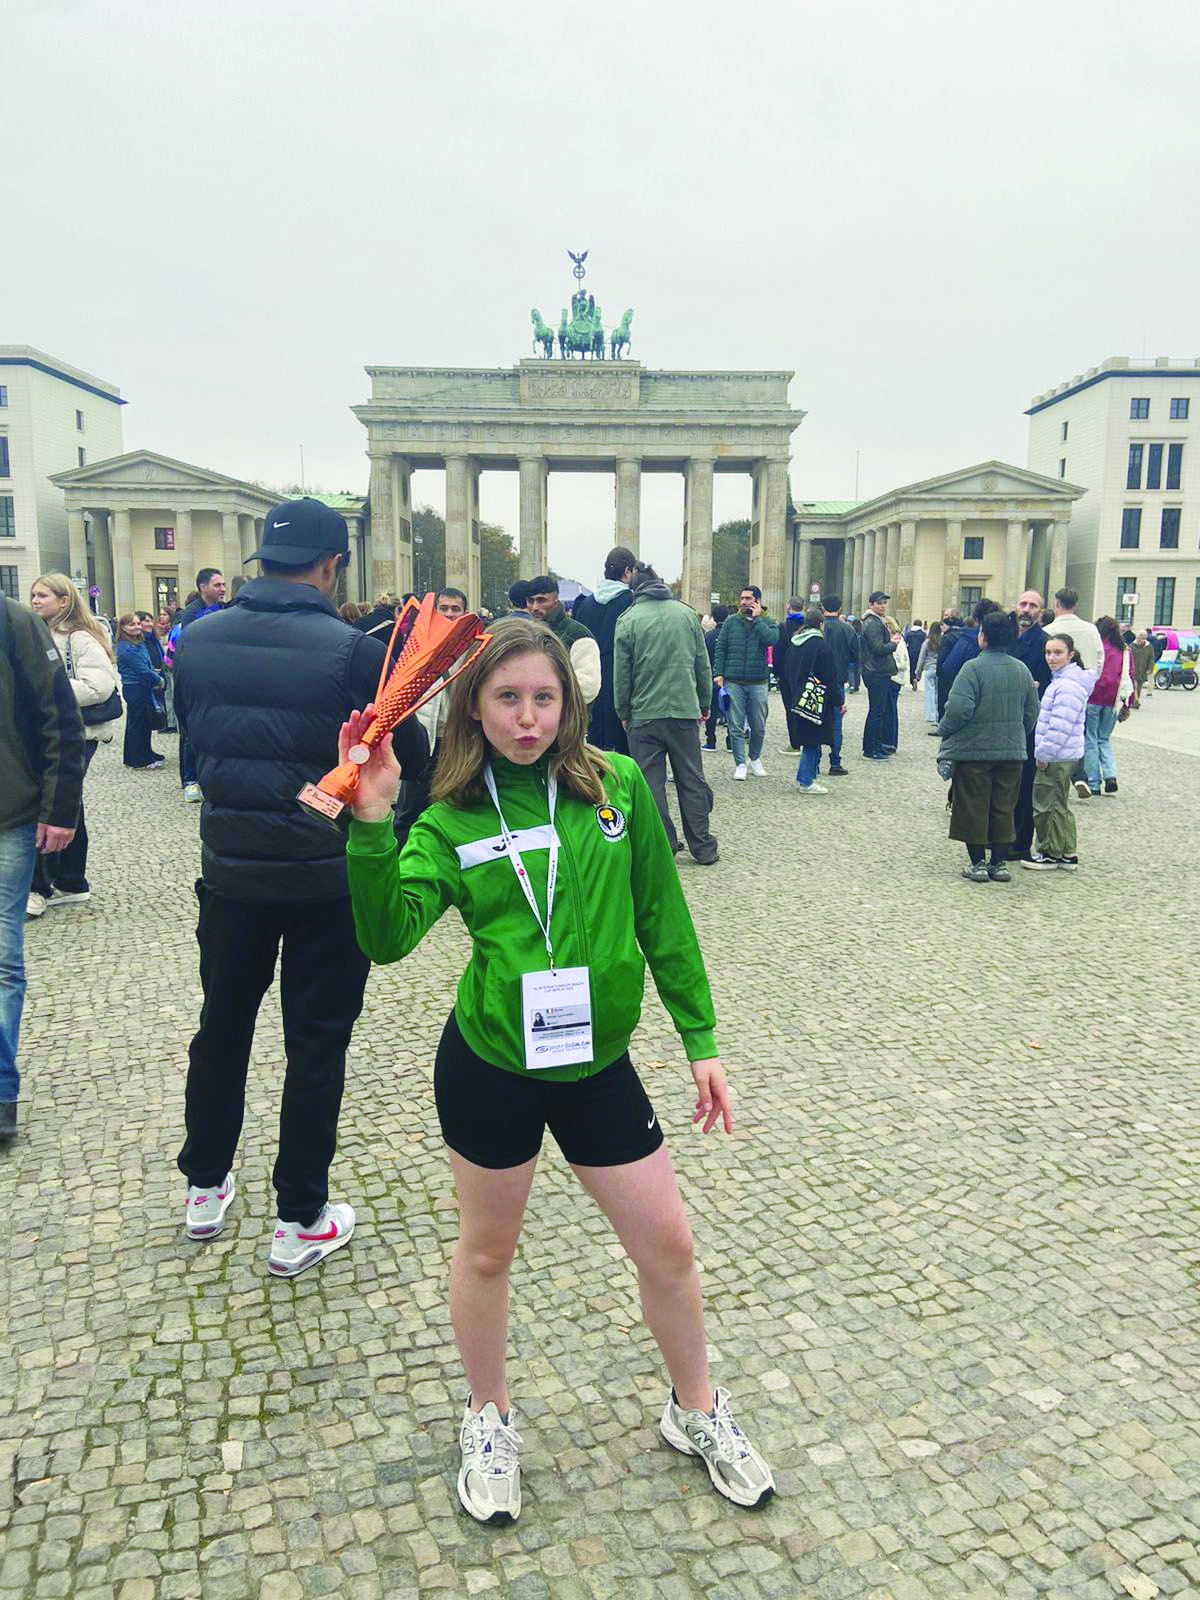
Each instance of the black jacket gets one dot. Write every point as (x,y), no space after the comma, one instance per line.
(600,617)
(843,644)
(261,690)
(1030,647)
(878,651)
(794,666)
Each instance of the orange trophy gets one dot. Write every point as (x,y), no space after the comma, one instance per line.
(433,650)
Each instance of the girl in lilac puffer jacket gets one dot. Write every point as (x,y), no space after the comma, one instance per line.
(1057,746)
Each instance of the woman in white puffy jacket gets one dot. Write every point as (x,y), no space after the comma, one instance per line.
(89,664)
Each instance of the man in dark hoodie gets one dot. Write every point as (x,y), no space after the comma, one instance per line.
(661,690)
(599,614)
(790,625)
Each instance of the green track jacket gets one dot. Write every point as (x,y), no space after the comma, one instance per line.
(618,898)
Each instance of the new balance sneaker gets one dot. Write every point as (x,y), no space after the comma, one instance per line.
(295,1247)
(976,872)
(204,1214)
(757,768)
(734,1465)
(489,1480)
(1040,863)
(739,773)
(192,793)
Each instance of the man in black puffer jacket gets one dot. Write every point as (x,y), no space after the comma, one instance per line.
(261,690)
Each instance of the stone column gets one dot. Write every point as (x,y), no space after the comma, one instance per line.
(629,507)
(803,567)
(1038,556)
(905,572)
(879,565)
(868,569)
(458,523)
(102,555)
(952,563)
(124,598)
(772,546)
(475,565)
(1014,564)
(849,572)
(891,568)
(402,517)
(383,525)
(1058,560)
(246,539)
(231,545)
(533,559)
(185,553)
(697,551)
(77,548)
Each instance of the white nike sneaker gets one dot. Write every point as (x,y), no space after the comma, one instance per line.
(734,1465)
(757,768)
(294,1247)
(204,1214)
(489,1481)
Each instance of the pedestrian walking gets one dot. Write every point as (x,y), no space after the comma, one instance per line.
(61,879)
(879,668)
(914,637)
(141,684)
(1086,635)
(1057,747)
(543,603)
(854,682)
(41,791)
(661,690)
(517,785)
(811,686)
(992,706)
(599,613)
(1107,704)
(926,672)
(740,659)
(261,690)
(1142,652)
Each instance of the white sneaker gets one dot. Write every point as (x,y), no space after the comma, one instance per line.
(757,768)
(63,897)
(192,793)
(35,904)
(811,788)
(204,1214)
(736,1468)
(294,1247)
(739,773)
(1082,790)
(489,1480)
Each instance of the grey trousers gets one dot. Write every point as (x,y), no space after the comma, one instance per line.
(650,744)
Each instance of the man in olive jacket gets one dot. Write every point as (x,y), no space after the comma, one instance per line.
(41,787)
(661,691)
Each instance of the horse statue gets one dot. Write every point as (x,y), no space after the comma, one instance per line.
(585,331)
(542,335)
(620,335)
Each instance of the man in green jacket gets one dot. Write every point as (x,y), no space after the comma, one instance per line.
(661,691)
(41,787)
(740,667)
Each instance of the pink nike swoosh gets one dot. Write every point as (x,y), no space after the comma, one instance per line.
(330,1233)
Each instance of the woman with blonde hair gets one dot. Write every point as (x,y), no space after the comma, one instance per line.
(555,857)
(87,657)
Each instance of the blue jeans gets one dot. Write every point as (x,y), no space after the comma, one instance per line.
(1097,750)
(17,856)
(810,764)
(892,731)
(835,744)
(747,705)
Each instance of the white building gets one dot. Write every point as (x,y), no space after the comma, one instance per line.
(52,417)
(1127,432)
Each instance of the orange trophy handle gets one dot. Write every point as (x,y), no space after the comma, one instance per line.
(434,650)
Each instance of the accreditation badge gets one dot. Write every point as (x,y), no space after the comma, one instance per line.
(556,1008)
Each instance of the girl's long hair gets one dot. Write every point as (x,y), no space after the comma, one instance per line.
(75,616)
(462,748)
(1072,653)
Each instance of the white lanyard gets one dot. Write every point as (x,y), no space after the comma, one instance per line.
(514,855)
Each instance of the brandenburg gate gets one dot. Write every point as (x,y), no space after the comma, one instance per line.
(562,415)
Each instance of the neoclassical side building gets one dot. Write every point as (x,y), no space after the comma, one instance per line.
(559,416)
(989,529)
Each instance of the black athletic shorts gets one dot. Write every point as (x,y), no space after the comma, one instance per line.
(497,1118)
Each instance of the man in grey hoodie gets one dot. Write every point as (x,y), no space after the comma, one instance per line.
(599,612)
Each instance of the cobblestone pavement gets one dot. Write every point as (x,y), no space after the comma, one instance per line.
(949,1253)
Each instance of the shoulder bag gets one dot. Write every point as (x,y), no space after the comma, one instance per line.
(110,710)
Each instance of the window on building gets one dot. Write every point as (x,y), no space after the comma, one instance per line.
(1131,527)
(1153,465)
(969,597)
(1062,466)
(1126,598)
(8,582)
(1168,531)
(79,421)
(1174,465)
(8,517)
(1133,472)
(82,454)
(1196,606)
(166,591)
(4,472)
(1139,409)
(3,394)
(1164,602)
(1179,410)
(1063,435)
(973,548)
(164,538)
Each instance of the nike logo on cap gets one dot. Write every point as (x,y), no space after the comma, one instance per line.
(281,524)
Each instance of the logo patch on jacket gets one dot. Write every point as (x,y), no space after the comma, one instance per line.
(611,821)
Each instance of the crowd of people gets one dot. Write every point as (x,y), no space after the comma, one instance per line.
(560,739)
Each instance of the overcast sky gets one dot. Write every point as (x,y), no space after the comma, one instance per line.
(930,211)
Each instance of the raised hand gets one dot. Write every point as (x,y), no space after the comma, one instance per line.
(379,777)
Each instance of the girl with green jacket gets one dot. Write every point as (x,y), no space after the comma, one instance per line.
(555,857)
